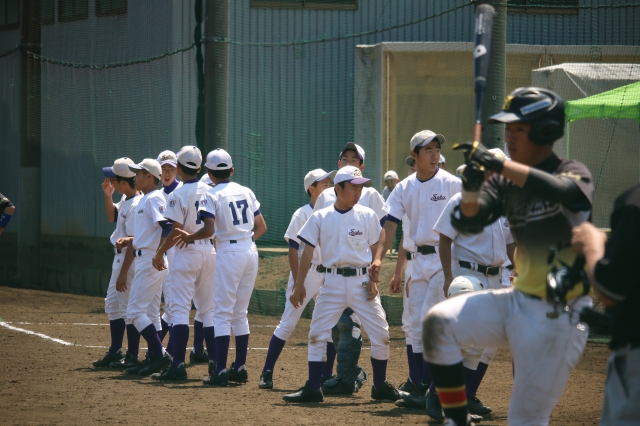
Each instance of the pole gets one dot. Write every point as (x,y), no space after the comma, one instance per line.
(216,65)
(493,134)
(29,208)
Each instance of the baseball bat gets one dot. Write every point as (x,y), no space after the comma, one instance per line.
(481,59)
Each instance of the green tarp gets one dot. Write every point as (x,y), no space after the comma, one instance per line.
(623,102)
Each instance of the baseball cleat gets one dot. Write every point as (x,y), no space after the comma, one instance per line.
(128,362)
(434,407)
(415,399)
(477,407)
(338,386)
(305,394)
(200,357)
(108,358)
(386,392)
(266,380)
(136,368)
(407,386)
(214,379)
(238,376)
(172,373)
(156,364)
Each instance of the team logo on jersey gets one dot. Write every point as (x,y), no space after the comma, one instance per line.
(506,223)
(355,232)
(122,215)
(203,202)
(141,211)
(437,197)
(172,203)
(161,209)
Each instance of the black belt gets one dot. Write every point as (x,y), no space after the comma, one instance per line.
(210,240)
(510,267)
(487,270)
(410,255)
(321,269)
(236,241)
(117,250)
(347,272)
(137,253)
(426,250)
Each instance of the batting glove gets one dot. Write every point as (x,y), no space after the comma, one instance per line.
(475,152)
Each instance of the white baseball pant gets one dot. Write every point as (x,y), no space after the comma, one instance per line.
(406,315)
(115,304)
(291,315)
(425,290)
(544,350)
(235,276)
(191,277)
(337,294)
(166,289)
(146,289)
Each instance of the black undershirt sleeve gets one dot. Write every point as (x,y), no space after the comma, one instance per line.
(555,189)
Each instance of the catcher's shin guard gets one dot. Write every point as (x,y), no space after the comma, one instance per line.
(348,350)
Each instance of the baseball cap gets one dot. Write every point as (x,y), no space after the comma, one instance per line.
(150,165)
(442,160)
(317,175)
(167,157)
(409,161)
(423,137)
(120,168)
(351,174)
(391,175)
(218,159)
(190,156)
(357,148)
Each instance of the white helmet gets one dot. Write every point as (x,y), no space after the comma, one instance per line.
(464,284)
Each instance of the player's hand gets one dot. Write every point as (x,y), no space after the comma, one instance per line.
(406,286)
(107,187)
(372,289)
(123,242)
(121,283)
(394,285)
(472,178)
(475,152)
(447,283)
(585,237)
(182,239)
(374,270)
(297,296)
(158,261)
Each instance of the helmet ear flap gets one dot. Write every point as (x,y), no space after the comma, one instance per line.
(545,131)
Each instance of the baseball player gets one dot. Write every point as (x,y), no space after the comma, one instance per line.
(119,178)
(7,208)
(350,375)
(150,229)
(422,197)
(233,212)
(391,179)
(406,254)
(193,266)
(206,179)
(442,163)
(542,196)
(346,234)
(315,182)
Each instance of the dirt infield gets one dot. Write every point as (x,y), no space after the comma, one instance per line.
(49,382)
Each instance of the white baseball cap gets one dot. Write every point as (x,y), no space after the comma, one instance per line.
(357,148)
(409,161)
(190,156)
(120,168)
(218,159)
(423,137)
(206,179)
(167,157)
(352,175)
(315,176)
(150,165)
(391,175)
(442,160)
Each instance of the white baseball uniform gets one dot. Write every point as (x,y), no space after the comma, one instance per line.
(345,239)
(233,207)
(507,267)
(312,283)
(115,304)
(423,202)
(410,248)
(146,288)
(192,267)
(166,285)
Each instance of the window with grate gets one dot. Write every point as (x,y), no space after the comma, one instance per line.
(306,4)
(72,10)
(110,7)
(9,14)
(544,7)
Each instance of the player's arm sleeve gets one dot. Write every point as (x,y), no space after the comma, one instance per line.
(394,207)
(320,202)
(131,219)
(254,203)
(490,206)
(207,207)
(443,224)
(291,234)
(572,186)
(376,203)
(4,203)
(373,233)
(615,273)
(174,212)
(310,232)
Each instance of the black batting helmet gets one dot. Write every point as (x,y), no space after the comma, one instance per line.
(542,107)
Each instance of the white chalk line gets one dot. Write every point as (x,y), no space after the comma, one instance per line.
(102,325)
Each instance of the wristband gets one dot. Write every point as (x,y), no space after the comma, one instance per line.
(4,220)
